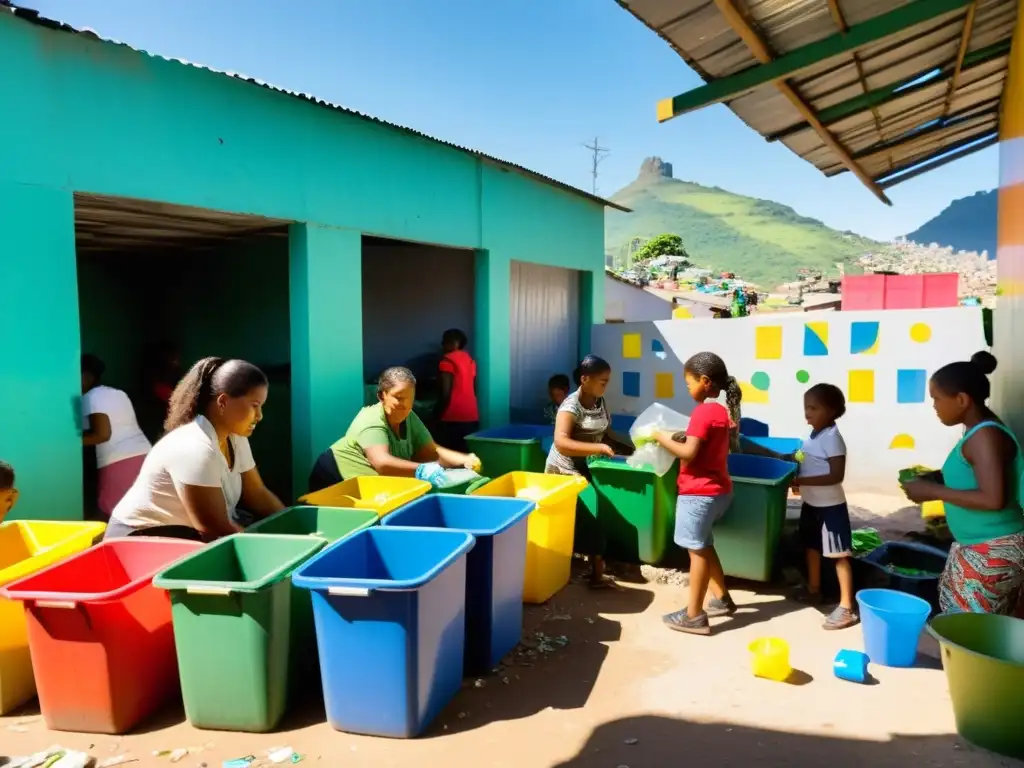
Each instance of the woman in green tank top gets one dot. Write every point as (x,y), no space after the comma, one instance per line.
(980,487)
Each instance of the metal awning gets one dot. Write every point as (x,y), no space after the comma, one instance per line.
(883,89)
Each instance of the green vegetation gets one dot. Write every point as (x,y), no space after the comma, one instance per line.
(760,240)
(662,245)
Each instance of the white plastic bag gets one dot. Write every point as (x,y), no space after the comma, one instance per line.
(661,418)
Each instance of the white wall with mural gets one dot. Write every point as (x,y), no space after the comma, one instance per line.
(881,360)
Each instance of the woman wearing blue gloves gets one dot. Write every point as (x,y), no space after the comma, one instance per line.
(388,438)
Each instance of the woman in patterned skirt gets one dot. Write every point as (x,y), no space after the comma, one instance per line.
(980,487)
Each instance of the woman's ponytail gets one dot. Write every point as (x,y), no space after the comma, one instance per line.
(192,394)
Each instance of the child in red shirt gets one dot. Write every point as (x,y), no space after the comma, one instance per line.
(705,488)
(457,407)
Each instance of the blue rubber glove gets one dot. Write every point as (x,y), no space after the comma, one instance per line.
(432,472)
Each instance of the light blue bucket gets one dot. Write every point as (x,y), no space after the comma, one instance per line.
(892,623)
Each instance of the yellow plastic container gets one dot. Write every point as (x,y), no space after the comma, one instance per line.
(381,494)
(27,547)
(770,658)
(549,530)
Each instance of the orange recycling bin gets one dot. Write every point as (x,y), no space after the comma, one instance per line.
(100,634)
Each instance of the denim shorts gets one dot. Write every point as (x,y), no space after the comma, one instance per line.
(695,516)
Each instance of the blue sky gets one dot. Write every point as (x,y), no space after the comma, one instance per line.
(529,81)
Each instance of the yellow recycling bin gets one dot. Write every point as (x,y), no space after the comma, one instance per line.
(380,494)
(549,530)
(27,547)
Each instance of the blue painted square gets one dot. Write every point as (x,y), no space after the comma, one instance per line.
(631,383)
(657,346)
(910,385)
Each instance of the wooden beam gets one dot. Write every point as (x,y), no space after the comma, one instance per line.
(961,54)
(840,21)
(857,37)
(891,92)
(744,28)
(939,159)
(914,135)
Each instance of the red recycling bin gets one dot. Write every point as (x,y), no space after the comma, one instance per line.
(100,634)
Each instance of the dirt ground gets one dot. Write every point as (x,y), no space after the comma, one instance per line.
(600,683)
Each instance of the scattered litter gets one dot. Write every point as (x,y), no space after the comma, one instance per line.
(462,715)
(239,762)
(560,617)
(54,757)
(110,762)
(669,576)
(178,755)
(631,742)
(479,683)
(283,755)
(589,621)
(17,728)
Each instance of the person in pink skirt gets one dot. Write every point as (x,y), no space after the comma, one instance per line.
(110,425)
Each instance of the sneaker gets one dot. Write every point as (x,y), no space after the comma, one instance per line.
(804,595)
(720,607)
(841,618)
(680,622)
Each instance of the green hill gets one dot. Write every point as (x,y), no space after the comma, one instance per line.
(760,240)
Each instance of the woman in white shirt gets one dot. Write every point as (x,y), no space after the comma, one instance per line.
(110,425)
(198,472)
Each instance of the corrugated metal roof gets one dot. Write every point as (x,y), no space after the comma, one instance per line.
(904,131)
(34,17)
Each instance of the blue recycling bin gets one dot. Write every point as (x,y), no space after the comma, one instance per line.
(753,427)
(782,445)
(495,569)
(389,608)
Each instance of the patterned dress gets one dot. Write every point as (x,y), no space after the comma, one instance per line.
(985,569)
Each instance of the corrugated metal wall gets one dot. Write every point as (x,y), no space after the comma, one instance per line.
(544,313)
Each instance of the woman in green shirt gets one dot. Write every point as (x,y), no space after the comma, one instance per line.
(386,438)
(980,489)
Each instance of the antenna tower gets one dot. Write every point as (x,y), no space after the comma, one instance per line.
(597,154)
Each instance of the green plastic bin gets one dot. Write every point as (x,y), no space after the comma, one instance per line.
(231,607)
(636,509)
(747,536)
(512,448)
(462,489)
(983,655)
(329,524)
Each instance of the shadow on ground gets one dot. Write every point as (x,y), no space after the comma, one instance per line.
(565,643)
(659,742)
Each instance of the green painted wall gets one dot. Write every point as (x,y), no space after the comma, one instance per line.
(101,118)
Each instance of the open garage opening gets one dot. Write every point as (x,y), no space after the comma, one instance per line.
(412,294)
(161,286)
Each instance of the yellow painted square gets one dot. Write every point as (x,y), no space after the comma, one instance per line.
(861,387)
(632,346)
(768,342)
(664,386)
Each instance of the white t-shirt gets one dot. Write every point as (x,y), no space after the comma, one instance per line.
(126,439)
(188,455)
(818,449)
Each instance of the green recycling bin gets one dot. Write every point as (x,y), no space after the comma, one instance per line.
(512,448)
(329,524)
(231,609)
(636,509)
(747,536)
